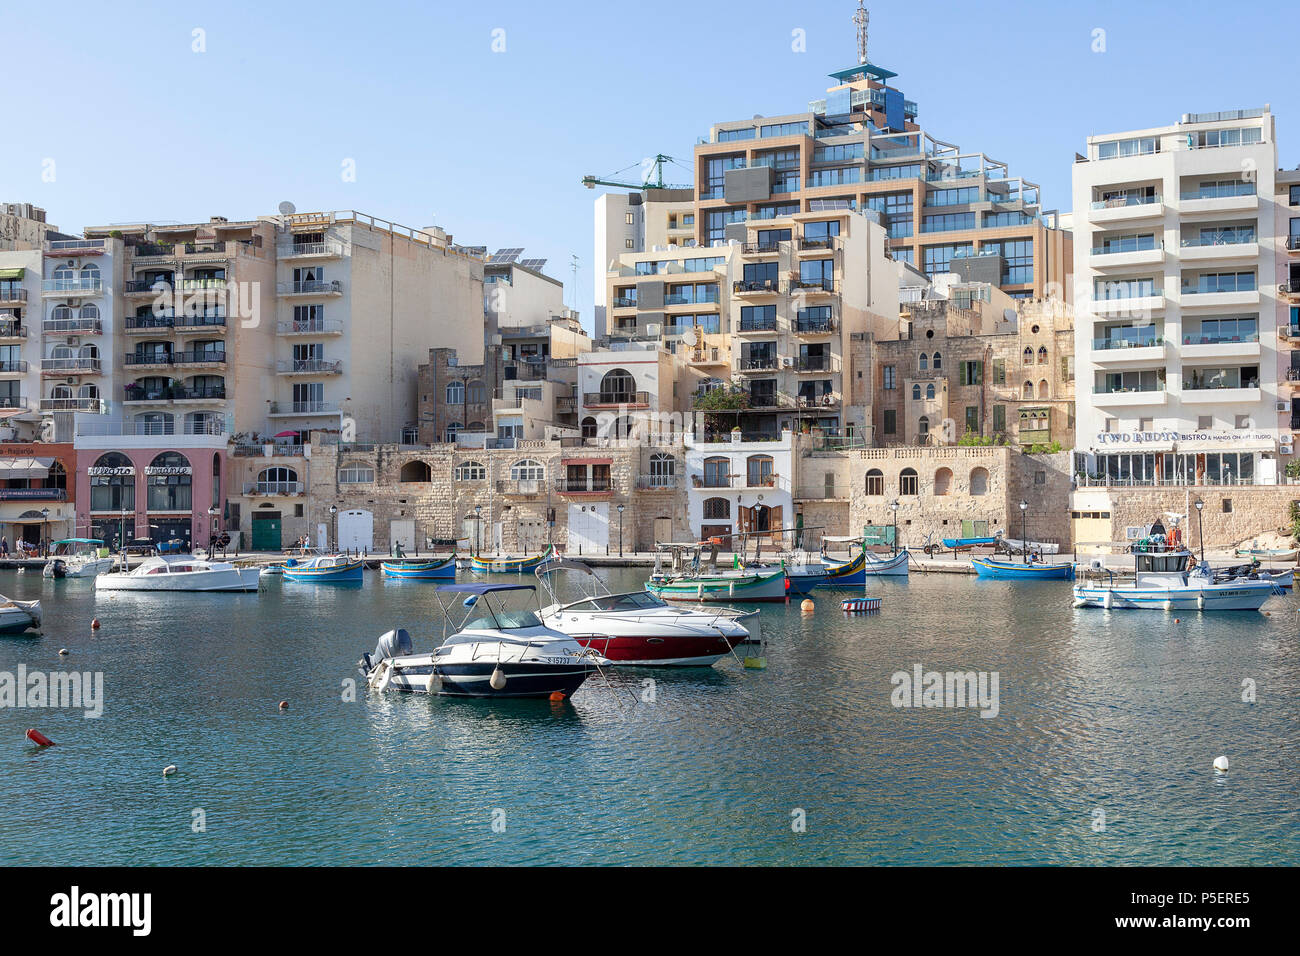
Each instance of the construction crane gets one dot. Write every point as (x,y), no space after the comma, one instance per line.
(656,167)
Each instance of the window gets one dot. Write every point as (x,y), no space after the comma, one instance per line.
(937,259)
(999,419)
(979,481)
(618,387)
(355,473)
(170,479)
(890,423)
(1042,355)
(759,471)
(470,471)
(936,363)
(715,508)
(942,481)
(916,392)
(476,393)
(630,218)
(455,393)
(527,470)
(973,418)
(663,468)
(929,391)
(887,377)
(416,471)
(875,482)
(112,483)
(909,482)
(628,244)
(1144,424)
(923,362)
(923,428)
(1204,422)
(971,373)
(1029,355)
(999,371)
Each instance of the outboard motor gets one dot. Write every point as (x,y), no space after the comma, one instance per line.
(58,568)
(395,643)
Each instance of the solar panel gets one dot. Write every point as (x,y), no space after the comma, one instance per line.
(828,205)
(506,255)
(534,264)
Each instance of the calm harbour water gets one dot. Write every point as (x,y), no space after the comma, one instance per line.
(1122,711)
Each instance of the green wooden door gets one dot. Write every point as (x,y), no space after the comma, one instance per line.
(266,534)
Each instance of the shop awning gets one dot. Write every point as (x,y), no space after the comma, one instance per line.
(12,468)
(16,274)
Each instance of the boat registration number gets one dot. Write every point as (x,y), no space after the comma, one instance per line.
(558,660)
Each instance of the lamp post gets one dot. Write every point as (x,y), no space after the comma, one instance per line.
(620,531)
(1200,527)
(121,544)
(212,533)
(1024,527)
(334,520)
(478,530)
(893,507)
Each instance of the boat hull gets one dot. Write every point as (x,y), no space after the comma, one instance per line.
(508,565)
(1009,570)
(755,587)
(523,679)
(954,543)
(235,579)
(894,565)
(801,584)
(350,573)
(1243,596)
(17,617)
(420,570)
(650,651)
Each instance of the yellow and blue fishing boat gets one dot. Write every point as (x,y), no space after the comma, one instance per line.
(510,565)
(1033,571)
(443,570)
(325,569)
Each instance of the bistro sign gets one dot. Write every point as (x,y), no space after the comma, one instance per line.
(1167,438)
(100,471)
(168,470)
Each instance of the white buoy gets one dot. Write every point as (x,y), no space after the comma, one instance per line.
(1169,605)
(1108,601)
(1221,764)
(807,606)
(1200,602)
(498,679)
(169,770)
(63,652)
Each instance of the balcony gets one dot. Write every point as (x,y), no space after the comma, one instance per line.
(149,323)
(1126,351)
(134,393)
(213,324)
(761,480)
(616,399)
(814,326)
(1226,247)
(756,287)
(312,327)
(818,402)
(1128,397)
(11,296)
(203,285)
(304,408)
(1132,306)
(624,302)
(207,249)
(813,363)
(521,487)
(761,400)
(712,481)
(1148,252)
(1198,297)
(583,486)
(309,367)
(1240,197)
(159,359)
(135,288)
(75,247)
(758,324)
(274,489)
(94,406)
(1220,346)
(762,364)
(67,288)
(766,248)
(313,287)
(1222,396)
(812,286)
(658,483)
(1126,209)
(13,401)
(11,330)
(706,356)
(72,327)
(1293,245)
(33,494)
(816,245)
(1290,289)
(16,366)
(310,250)
(77,365)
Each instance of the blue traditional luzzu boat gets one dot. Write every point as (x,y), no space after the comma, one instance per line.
(955,543)
(440,570)
(325,569)
(1034,571)
(855,571)
(510,565)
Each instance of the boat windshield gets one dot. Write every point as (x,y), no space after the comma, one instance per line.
(503,621)
(636,601)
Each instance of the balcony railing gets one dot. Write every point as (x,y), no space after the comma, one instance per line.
(309,367)
(13,401)
(79,286)
(757,480)
(11,329)
(1122,202)
(807,245)
(814,326)
(304,408)
(73,326)
(135,392)
(1292,243)
(313,287)
(1290,287)
(583,486)
(311,327)
(765,363)
(1145,341)
(658,482)
(204,427)
(147,358)
(74,246)
(712,481)
(16,365)
(10,294)
(1220,239)
(203,285)
(812,285)
(813,363)
(1220,339)
(71,366)
(150,322)
(623,302)
(273,489)
(93,405)
(311,249)
(758,325)
(759,248)
(154,286)
(200,322)
(756,285)
(1219,191)
(615,398)
(1142,244)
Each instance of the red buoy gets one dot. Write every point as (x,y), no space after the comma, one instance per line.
(38,738)
(284,705)
(94,625)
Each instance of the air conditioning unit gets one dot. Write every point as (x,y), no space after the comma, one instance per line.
(788,363)
(71,340)
(1283,406)
(653,329)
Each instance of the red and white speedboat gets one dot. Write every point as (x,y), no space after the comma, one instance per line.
(640,629)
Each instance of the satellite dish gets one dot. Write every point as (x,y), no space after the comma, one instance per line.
(1009,315)
(688,338)
(287,208)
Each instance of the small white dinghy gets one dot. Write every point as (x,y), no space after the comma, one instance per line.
(18,616)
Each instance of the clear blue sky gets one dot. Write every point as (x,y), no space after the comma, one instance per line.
(491,146)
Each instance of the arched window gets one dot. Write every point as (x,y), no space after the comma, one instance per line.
(589,427)
(1027,390)
(663,469)
(453,431)
(909,482)
(112,483)
(1029,355)
(979,481)
(88,351)
(1042,389)
(476,393)
(942,481)
(90,271)
(923,362)
(455,393)
(170,480)
(618,387)
(527,470)
(916,393)
(937,362)
(278,481)
(716,508)
(470,471)
(929,390)
(1042,355)
(758,469)
(875,482)
(63,352)
(475,427)
(61,392)
(356,473)
(923,427)
(88,391)
(90,311)
(416,471)
(717,472)
(64,273)
(61,313)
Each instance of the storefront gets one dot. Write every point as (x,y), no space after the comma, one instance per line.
(160,495)
(36,499)
(1193,458)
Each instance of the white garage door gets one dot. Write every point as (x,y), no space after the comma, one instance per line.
(356,530)
(401,531)
(588,529)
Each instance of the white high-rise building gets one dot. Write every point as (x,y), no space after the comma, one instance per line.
(1176,303)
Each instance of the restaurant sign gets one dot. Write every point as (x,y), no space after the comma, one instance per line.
(100,471)
(168,470)
(1167,439)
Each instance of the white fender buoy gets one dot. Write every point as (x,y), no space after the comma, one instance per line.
(1200,602)
(284,705)
(63,652)
(807,606)
(1221,764)
(1108,601)
(384,677)
(498,679)
(169,770)
(1169,604)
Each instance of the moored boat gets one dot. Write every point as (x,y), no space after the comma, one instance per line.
(1272,554)
(730,585)
(77,558)
(325,569)
(180,572)
(955,544)
(638,628)
(1033,571)
(18,616)
(443,569)
(1171,580)
(508,565)
(856,570)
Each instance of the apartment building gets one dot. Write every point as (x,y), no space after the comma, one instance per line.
(1176,307)
(636,390)
(1287,232)
(945,209)
(627,223)
(738,486)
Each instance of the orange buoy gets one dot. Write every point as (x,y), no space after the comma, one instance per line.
(1175,620)
(38,738)
(284,705)
(94,624)
(557,695)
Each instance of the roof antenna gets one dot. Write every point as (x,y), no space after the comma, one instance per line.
(861,18)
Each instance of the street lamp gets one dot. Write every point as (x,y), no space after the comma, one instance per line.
(478,530)
(1024,527)
(894,507)
(334,520)
(45,547)
(1200,527)
(212,534)
(620,531)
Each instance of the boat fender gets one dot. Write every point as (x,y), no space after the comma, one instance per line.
(63,652)
(1169,604)
(557,696)
(38,738)
(284,705)
(1200,602)
(169,770)
(498,679)
(1221,764)
(807,607)
(1108,601)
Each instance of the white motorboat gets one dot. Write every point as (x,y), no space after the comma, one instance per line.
(1171,580)
(180,572)
(1017,546)
(639,629)
(499,653)
(18,616)
(77,558)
